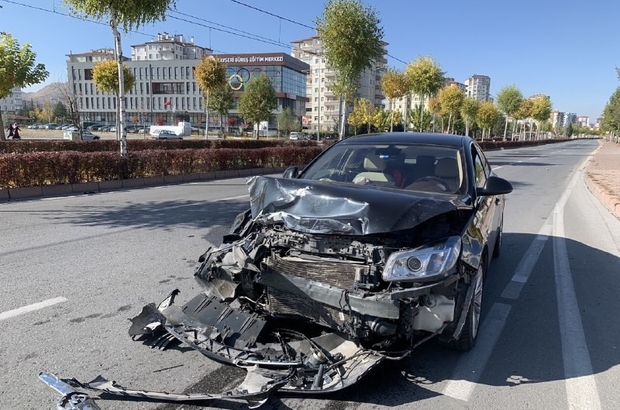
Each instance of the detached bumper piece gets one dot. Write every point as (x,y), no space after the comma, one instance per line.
(283,357)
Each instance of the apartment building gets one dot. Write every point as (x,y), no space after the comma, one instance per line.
(323,108)
(11,103)
(478,87)
(165,90)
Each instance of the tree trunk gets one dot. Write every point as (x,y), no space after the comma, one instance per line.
(207,115)
(120,118)
(422,114)
(2,135)
(391,117)
(505,129)
(343,116)
(467,125)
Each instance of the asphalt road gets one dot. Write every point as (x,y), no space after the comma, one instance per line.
(75,268)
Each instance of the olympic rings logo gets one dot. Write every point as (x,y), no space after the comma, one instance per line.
(237,79)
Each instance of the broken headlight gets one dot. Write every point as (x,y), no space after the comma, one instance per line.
(424,263)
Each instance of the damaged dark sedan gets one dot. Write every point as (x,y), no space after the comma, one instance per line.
(380,244)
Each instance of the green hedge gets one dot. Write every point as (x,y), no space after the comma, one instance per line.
(70,167)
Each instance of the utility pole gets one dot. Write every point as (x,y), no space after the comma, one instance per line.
(318,131)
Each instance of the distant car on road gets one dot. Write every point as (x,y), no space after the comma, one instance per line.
(165,135)
(295,135)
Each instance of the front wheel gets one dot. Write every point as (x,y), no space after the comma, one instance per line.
(467,339)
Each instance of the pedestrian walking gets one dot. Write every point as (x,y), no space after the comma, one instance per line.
(16,131)
(10,131)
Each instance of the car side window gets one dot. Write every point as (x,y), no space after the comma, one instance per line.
(481,168)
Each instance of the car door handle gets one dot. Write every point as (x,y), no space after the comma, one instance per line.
(497,201)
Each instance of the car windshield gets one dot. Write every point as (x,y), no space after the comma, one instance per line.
(416,167)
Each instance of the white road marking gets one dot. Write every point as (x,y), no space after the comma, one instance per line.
(196,203)
(581,388)
(526,265)
(471,364)
(30,308)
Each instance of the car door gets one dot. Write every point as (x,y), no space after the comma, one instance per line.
(488,207)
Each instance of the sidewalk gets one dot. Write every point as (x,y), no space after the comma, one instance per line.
(603,175)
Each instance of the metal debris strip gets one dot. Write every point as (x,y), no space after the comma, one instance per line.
(256,389)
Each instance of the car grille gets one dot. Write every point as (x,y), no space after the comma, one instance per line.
(341,274)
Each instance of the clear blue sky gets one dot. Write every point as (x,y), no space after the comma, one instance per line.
(565,49)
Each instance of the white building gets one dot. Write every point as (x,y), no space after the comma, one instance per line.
(478,87)
(12,103)
(323,108)
(168,47)
(165,89)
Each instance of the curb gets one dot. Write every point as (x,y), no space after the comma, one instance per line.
(11,194)
(611,202)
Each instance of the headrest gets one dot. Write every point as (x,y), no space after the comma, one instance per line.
(447,168)
(425,161)
(374,163)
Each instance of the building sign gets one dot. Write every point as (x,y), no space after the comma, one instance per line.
(252,59)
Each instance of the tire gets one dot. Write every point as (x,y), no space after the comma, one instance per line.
(469,334)
(497,250)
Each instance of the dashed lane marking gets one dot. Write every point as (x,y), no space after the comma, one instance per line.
(31,308)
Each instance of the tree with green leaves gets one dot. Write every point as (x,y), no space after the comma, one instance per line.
(60,111)
(126,15)
(451,98)
(541,110)
(469,110)
(286,121)
(221,101)
(522,114)
(420,119)
(105,77)
(508,100)
(425,79)
(434,106)
(210,74)
(362,114)
(611,113)
(17,69)
(381,120)
(487,115)
(394,86)
(352,40)
(258,100)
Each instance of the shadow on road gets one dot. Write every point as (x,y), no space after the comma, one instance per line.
(155,215)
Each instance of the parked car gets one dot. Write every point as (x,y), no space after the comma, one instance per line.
(165,135)
(381,243)
(295,135)
(89,136)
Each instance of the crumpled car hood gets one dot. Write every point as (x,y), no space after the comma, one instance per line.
(324,207)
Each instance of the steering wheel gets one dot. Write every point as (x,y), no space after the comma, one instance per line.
(436,180)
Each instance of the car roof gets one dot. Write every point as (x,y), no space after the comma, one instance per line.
(408,138)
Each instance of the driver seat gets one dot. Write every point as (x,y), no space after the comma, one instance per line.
(374,170)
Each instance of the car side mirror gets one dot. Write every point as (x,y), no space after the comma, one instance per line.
(495,186)
(290,173)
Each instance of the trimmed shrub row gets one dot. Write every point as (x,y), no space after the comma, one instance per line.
(70,167)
